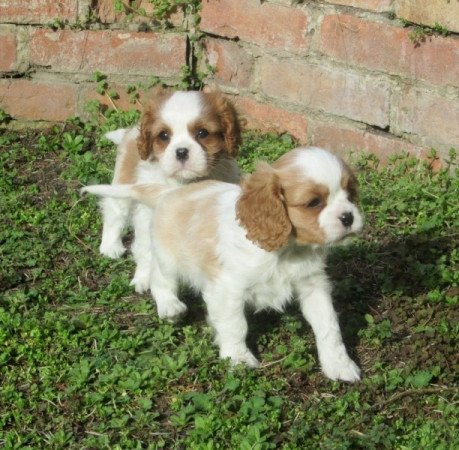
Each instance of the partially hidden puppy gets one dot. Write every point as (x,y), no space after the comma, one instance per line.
(182,137)
(262,243)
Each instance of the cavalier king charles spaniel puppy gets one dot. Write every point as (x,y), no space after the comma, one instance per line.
(262,243)
(182,137)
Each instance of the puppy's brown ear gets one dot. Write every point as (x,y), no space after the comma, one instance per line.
(261,209)
(350,183)
(229,119)
(145,139)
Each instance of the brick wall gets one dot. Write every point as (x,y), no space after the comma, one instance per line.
(343,74)
(47,72)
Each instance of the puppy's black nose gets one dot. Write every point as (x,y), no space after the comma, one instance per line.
(347,219)
(181,154)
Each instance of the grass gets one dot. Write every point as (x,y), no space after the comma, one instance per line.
(86,364)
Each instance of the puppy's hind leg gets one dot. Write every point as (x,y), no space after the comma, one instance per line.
(226,314)
(115,213)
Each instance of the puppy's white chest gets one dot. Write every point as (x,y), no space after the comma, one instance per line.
(274,287)
(271,293)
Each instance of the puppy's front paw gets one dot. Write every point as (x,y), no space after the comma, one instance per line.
(250,360)
(171,311)
(242,357)
(113,250)
(141,283)
(341,368)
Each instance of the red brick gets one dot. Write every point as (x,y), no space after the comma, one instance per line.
(362,98)
(38,11)
(269,118)
(8,61)
(343,139)
(269,25)
(233,65)
(434,119)
(108,51)
(105,11)
(444,12)
(371,5)
(37,100)
(388,49)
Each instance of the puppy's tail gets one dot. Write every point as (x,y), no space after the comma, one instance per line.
(116,136)
(147,194)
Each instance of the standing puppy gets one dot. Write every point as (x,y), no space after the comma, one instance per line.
(261,244)
(182,137)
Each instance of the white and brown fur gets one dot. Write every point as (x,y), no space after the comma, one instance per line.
(262,243)
(182,137)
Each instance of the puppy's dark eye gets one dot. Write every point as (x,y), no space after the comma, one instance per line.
(202,133)
(314,203)
(164,136)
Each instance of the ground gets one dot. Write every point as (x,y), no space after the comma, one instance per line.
(86,363)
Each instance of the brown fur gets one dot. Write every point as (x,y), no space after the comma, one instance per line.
(180,208)
(298,194)
(221,108)
(158,145)
(128,165)
(149,193)
(350,184)
(261,209)
(147,138)
(214,144)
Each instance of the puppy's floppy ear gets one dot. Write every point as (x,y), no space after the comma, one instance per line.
(350,183)
(230,122)
(261,209)
(145,139)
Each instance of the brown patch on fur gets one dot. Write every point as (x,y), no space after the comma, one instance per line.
(149,193)
(181,215)
(299,193)
(127,168)
(213,142)
(219,109)
(148,137)
(261,210)
(304,218)
(159,144)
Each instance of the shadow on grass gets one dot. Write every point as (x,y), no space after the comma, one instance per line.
(366,275)
(385,279)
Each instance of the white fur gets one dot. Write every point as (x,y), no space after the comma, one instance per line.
(180,110)
(247,274)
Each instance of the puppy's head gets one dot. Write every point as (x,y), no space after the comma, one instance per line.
(307,195)
(187,132)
